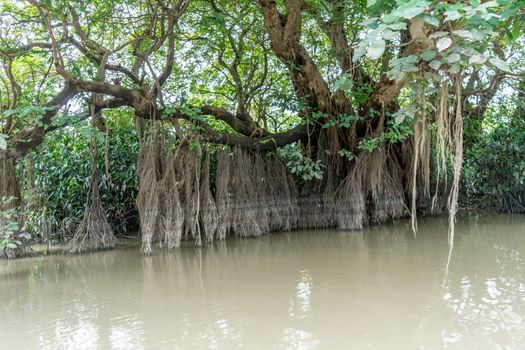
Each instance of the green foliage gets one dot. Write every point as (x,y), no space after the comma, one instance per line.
(27,115)
(340,120)
(462,39)
(368,144)
(346,154)
(63,168)
(10,235)
(300,165)
(398,128)
(494,168)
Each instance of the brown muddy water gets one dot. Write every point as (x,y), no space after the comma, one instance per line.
(380,288)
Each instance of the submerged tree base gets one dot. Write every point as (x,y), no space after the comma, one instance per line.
(94,231)
(255,194)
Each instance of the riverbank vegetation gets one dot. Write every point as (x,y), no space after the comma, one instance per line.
(205,119)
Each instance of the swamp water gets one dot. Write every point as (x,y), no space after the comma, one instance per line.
(379,288)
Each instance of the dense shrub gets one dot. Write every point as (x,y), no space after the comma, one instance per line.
(494,167)
(62,167)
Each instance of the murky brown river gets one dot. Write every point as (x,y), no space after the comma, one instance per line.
(380,288)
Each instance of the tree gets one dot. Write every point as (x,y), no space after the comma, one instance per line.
(343,85)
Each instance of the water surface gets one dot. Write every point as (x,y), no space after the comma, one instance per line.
(379,288)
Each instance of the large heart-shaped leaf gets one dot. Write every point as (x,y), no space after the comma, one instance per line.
(502,65)
(443,44)
(428,55)
(477,59)
(376,49)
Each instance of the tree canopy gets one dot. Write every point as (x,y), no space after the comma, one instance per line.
(243,71)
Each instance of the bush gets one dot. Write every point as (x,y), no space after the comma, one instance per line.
(62,168)
(494,167)
(11,236)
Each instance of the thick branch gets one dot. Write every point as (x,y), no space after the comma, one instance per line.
(284,32)
(298,133)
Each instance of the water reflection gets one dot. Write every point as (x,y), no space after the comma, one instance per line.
(377,288)
(300,303)
(298,340)
(488,310)
(126,332)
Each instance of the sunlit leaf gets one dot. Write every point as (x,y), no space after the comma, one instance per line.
(376,49)
(477,59)
(428,55)
(465,34)
(443,44)
(435,64)
(502,65)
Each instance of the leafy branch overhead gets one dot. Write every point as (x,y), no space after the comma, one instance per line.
(446,37)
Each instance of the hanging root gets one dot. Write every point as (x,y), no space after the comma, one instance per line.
(94,231)
(255,195)
(282,194)
(148,196)
(351,196)
(189,161)
(458,162)
(223,194)
(384,183)
(171,213)
(208,212)
(246,221)
(443,141)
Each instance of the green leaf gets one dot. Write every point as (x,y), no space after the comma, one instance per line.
(454,69)
(370,3)
(501,65)
(433,21)
(435,64)
(343,83)
(411,9)
(477,35)
(398,26)
(389,34)
(453,58)
(376,49)
(438,35)
(443,44)
(465,34)
(452,15)
(428,55)
(477,59)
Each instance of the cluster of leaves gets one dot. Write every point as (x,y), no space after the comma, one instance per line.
(301,165)
(10,235)
(460,33)
(398,128)
(494,168)
(63,168)
(348,155)
(340,120)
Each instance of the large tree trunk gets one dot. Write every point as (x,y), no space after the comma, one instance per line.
(10,198)
(9,186)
